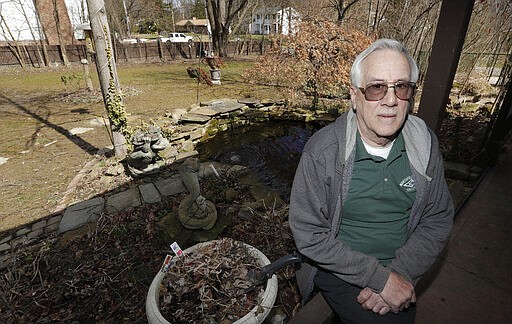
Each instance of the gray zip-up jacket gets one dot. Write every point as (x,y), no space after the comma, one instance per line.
(319,189)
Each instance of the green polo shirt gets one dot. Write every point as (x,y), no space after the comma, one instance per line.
(378,203)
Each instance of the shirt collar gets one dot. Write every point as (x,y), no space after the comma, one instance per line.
(396,151)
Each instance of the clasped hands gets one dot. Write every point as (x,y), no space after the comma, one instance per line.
(397,295)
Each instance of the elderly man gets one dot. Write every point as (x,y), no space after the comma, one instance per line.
(369,207)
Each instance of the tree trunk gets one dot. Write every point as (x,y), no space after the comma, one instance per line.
(107,73)
(40,58)
(224,15)
(62,42)
(42,39)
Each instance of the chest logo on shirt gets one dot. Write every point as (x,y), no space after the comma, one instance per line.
(408,184)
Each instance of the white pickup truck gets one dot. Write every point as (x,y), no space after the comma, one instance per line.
(177,38)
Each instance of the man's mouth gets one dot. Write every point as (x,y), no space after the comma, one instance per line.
(387,115)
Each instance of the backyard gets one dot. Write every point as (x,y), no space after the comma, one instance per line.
(38,110)
(52,128)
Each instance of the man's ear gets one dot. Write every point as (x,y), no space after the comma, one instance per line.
(353,93)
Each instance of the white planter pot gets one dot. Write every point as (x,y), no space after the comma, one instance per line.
(255,316)
(215,74)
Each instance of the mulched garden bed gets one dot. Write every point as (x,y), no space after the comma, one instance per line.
(102,274)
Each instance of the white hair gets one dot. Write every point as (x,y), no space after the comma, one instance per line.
(383,43)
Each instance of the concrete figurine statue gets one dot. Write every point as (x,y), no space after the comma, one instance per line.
(144,158)
(195,212)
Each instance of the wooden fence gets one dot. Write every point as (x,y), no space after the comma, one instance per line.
(144,52)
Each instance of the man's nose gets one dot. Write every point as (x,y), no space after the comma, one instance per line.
(390,98)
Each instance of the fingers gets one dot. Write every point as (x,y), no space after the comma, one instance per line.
(398,292)
(373,301)
(384,310)
(364,295)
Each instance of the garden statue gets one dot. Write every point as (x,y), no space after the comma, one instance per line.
(195,212)
(144,158)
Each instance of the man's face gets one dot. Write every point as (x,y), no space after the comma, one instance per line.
(379,121)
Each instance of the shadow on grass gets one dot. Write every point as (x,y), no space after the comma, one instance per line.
(77,140)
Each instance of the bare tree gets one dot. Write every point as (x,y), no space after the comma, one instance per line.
(42,39)
(26,13)
(342,7)
(225,17)
(62,42)
(315,10)
(11,39)
(489,38)
(135,16)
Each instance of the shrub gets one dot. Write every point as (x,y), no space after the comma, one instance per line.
(314,62)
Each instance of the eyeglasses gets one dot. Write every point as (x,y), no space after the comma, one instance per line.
(377,91)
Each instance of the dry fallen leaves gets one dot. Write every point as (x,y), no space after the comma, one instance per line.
(209,285)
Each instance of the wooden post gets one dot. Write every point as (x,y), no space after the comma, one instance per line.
(107,73)
(449,38)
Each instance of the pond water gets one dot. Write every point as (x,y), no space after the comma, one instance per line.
(272,150)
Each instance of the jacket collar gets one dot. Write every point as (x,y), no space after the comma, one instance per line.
(417,138)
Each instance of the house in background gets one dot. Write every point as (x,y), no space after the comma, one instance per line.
(194,25)
(266,21)
(28,21)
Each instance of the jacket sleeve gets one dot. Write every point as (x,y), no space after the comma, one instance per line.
(315,235)
(429,236)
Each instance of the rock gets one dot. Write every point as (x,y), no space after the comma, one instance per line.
(187,146)
(72,235)
(251,102)
(168,153)
(80,130)
(205,111)
(76,215)
(149,193)
(268,102)
(123,200)
(194,118)
(170,186)
(176,114)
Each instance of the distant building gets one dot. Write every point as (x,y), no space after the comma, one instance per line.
(194,25)
(274,21)
(27,24)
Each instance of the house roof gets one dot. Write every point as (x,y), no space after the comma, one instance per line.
(192,22)
(273,10)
